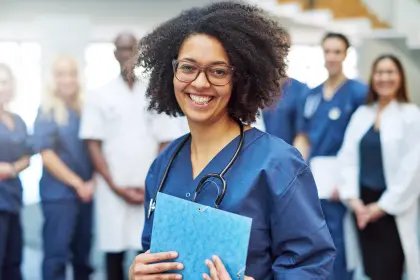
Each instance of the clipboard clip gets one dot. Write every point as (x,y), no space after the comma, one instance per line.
(152,206)
(240,272)
(202,209)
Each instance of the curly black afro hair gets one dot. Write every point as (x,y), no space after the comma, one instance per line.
(256,46)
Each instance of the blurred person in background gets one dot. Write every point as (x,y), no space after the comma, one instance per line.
(380,167)
(280,119)
(123,140)
(14,158)
(66,185)
(322,122)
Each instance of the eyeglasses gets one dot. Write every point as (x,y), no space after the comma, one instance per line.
(217,74)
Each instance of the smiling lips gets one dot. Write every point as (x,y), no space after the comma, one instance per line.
(200,99)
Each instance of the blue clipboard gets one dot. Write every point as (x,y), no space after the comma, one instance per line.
(197,232)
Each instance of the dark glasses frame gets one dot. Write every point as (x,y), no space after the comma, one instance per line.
(175,63)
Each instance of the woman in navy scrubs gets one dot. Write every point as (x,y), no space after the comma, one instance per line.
(66,185)
(217,65)
(14,157)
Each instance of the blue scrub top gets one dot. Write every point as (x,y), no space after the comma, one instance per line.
(270,183)
(64,141)
(281,119)
(324,122)
(14,145)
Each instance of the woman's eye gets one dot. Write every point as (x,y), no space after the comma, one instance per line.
(187,68)
(219,72)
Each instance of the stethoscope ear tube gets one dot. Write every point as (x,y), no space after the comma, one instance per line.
(219,199)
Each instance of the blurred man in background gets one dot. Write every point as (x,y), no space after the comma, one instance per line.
(324,117)
(123,140)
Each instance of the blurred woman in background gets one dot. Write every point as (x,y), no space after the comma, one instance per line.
(380,161)
(14,157)
(66,185)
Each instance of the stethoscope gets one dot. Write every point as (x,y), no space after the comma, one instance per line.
(221,195)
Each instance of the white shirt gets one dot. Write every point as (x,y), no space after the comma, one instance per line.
(130,135)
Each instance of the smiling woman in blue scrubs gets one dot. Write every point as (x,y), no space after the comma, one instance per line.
(199,70)
(66,185)
(322,124)
(14,157)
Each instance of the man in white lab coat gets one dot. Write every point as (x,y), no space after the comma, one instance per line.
(123,140)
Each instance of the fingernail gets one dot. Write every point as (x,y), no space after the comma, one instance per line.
(214,258)
(180,266)
(174,254)
(179,277)
(207,262)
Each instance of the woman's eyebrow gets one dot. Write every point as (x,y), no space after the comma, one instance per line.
(212,63)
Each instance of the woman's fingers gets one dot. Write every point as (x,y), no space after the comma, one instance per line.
(158,267)
(152,266)
(221,269)
(157,257)
(159,277)
(206,276)
(213,270)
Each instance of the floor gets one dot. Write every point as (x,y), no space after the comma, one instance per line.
(32,222)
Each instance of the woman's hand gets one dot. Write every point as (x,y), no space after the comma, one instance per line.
(361,212)
(6,170)
(145,266)
(85,191)
(218,270)
(134,195)
(375,212)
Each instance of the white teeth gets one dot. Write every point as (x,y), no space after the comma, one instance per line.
(200,99)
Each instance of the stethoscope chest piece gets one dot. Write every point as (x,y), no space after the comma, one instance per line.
(152,203)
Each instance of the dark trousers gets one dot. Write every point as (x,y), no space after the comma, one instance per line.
(11,246)
(334,212)
(115,266)
(382,253)
(67,236)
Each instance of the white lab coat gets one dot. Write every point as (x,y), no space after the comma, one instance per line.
(400,140)
(130,138)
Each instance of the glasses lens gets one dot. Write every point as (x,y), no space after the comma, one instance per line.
(186,71)
(218,75)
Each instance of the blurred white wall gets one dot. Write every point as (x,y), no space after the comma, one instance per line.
(402,16)
(107,16)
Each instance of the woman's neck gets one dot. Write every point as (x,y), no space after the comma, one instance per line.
(208,139)
(383,102)
(336,80)
(71,102)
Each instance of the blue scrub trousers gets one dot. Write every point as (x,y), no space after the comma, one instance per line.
(11,246)
(334,212)
(67,235)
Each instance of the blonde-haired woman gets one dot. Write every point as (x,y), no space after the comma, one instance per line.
(66,185)
(14,157)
